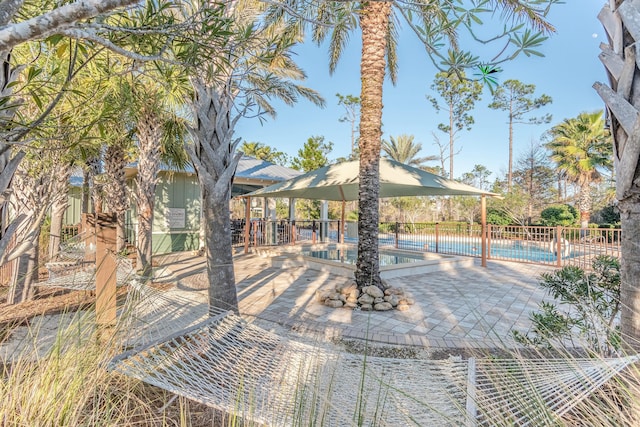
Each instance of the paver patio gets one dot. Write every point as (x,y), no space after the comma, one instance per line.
(466,308)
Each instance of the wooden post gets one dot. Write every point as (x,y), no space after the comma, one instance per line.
(255,234)
(488,241)
(342,223)
(397,227)
(106,265)
(247,224)
(293,233)
(559,246)
(313,232)
(483,232)
(88,228)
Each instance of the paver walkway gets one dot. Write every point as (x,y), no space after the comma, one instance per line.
(466,308)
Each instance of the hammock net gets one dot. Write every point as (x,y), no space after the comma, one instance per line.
(238,367)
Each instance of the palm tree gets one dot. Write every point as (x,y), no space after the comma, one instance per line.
(581,148)
(402,149)
(623,106)
(147,100)
(262,151)
(227,89)
(432,22)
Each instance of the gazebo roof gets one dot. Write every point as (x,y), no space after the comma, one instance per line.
(340,182)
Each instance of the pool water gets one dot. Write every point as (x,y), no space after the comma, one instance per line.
(350,256)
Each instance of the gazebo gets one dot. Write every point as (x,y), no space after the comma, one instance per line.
(339,182)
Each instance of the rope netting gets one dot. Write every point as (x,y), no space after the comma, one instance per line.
(76,247)
(82,276)
(533,392)
(238,367)
(72,270)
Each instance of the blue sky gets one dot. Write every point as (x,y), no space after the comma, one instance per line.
(566,73)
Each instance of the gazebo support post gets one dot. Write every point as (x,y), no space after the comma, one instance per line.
(483,232)
(247,223)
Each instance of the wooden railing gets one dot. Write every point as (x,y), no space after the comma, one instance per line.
(555,246)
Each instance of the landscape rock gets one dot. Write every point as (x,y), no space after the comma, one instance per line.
(374,291)
(392,299)
(333,303)
(322,295)
(402,307)
(366,299)
(383,306)
(346,287)
(334,296)
(366,307)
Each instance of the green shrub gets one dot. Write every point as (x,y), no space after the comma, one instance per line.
(498,217)
(565,215)
(584,309)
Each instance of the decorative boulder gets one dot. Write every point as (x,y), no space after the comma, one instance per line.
(366,299)
(335,296)
(370,298)
(333,303)
(374,291)
(394,291)
(322,295)
(383,306)
(392,299)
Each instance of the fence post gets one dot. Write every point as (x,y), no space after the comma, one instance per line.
(397,228)
(254,224)
(293,233)
(559,245)
(313,232)
(488,241)
(483,231)
(106,266)
(247,224)
(89,236)
(437,236)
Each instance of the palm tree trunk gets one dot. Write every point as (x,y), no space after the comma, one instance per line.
(149,134)
(619,59)
(585,205)
(215,161)
(57,215)
(374,22)
(116,188)
(217,225)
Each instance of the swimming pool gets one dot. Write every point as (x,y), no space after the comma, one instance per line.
(350,256)
(341,258)
(512,250)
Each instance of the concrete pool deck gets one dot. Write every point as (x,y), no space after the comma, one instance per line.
(470,307)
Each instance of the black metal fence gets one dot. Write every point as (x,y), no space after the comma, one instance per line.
(555,246)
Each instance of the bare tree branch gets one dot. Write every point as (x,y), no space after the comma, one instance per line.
(13,34)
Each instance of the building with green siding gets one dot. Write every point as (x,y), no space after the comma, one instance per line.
(178,209)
